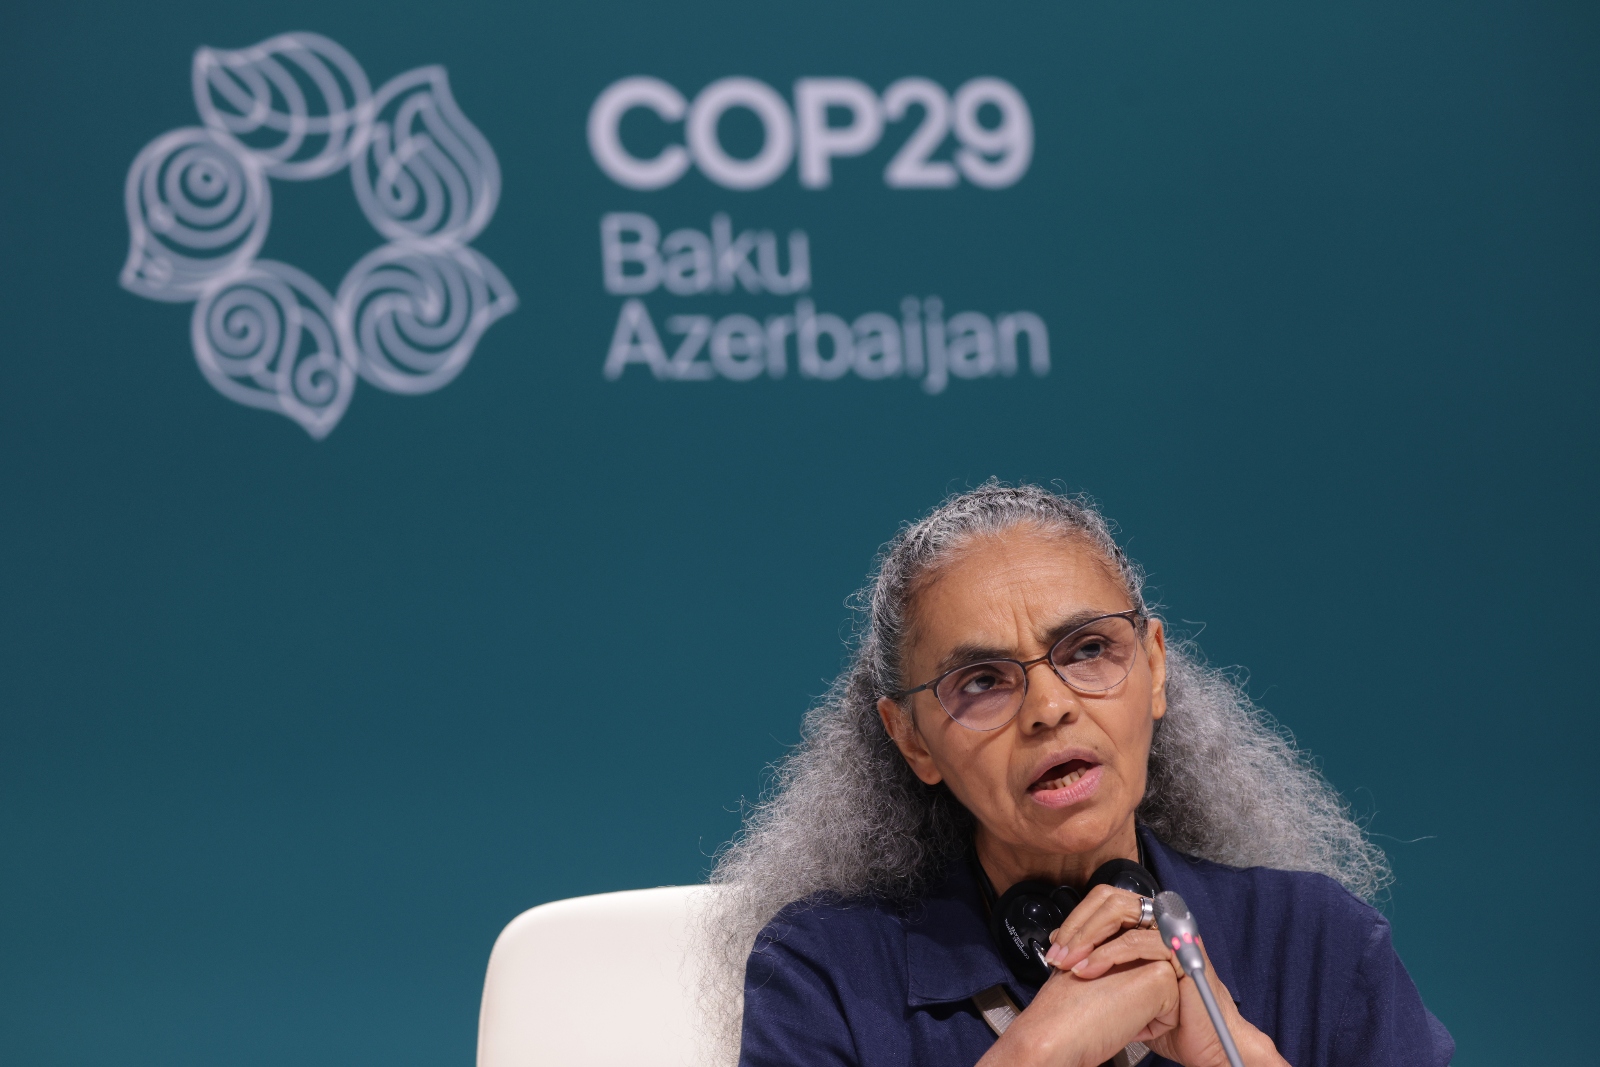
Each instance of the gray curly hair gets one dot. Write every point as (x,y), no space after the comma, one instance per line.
(845,817)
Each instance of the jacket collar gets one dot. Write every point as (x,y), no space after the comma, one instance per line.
(950,955)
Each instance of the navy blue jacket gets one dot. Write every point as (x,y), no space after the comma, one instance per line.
(870,984)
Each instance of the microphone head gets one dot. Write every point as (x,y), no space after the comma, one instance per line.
(1171,904)
(1179,930)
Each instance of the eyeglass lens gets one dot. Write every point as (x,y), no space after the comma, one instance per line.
(1091,659)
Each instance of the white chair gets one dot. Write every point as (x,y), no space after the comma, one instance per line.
(601,981)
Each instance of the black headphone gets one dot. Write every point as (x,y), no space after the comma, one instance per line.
(1023,918)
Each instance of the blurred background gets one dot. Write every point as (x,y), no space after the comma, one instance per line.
(290,729)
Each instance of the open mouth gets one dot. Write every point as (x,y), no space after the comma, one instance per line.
(1062,775)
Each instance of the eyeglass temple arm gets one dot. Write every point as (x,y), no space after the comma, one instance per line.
(910,692)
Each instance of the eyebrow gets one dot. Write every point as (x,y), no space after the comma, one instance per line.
(963,654)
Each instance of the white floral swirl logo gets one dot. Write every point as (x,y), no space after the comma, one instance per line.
(297,107)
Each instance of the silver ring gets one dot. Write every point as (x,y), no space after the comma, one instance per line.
(1147,913)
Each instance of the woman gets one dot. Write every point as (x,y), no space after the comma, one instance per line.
(1013,712)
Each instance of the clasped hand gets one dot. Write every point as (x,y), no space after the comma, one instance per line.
(1114,984)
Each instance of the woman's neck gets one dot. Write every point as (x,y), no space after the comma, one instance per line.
(1007,864)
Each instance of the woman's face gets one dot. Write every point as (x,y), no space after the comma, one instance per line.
(1053,790)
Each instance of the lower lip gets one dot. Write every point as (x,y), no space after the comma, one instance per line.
(1075,793)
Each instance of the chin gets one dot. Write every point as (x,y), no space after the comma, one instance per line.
(1081,832)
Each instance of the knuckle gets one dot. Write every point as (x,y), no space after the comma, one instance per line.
(1155,975)
(1111,950)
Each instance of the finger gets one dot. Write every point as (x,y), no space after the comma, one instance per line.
(1092,902)
(1100,915)
(1099,925)
(1104,913)
(1143,945)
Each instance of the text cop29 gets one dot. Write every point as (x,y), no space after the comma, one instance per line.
(990,156)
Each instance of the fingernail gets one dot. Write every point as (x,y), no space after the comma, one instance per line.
(1077,968)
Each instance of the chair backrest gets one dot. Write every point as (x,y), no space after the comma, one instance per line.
(601,981)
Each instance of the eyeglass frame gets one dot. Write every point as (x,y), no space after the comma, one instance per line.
(1135,616)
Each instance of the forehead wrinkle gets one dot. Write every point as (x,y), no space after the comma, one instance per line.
(964,548)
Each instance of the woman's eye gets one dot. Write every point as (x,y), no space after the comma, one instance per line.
(1089,648)
(980,683)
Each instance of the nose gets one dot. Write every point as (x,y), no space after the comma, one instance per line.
(1048,701)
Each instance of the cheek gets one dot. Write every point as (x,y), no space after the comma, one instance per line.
(1139,757)
(974,765)
(1136,728)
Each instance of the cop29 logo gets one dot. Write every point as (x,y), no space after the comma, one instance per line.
(298,107)
(993,153)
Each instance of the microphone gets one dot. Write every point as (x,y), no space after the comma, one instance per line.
(1182,933)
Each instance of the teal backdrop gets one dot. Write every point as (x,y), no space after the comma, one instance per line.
(289,729)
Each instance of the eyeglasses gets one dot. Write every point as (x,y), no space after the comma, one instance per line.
(1093,658)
